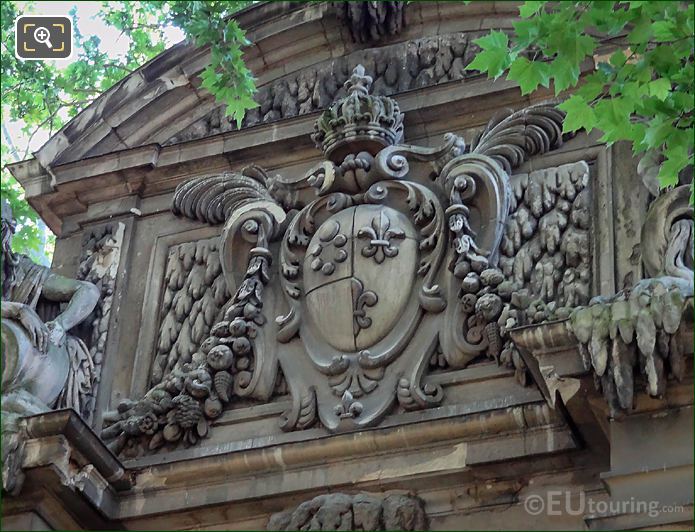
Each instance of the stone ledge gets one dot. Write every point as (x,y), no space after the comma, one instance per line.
(67,461)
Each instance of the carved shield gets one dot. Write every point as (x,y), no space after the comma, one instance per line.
(358,274)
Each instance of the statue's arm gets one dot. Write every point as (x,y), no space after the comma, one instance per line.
(35,328)
(11,310)
(81,296)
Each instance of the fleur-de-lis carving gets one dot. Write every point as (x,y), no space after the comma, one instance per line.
(348,407)
(361,298)
(380,235)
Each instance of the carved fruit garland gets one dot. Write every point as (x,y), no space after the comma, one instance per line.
(488,305)
(181,407)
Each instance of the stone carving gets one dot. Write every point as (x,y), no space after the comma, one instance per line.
(195,293)
(545,250)
(667,235)
(362,268)
(101,252)
(397,68)
(363,511)
(642,334)
(329,235)
(380,236)
(640,330)
(43,367)
(359,113)
(371,21)
(234,359)
(489,301)
(361,299)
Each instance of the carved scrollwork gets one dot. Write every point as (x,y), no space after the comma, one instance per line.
(303,413)
(667,235)
(364,294)
(479,190)
(362,300)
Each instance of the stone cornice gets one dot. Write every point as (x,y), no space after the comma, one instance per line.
(72,462)
(69,189)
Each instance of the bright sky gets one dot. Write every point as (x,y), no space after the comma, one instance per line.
(112,43)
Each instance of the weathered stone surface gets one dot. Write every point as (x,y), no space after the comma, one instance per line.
(338,511)
(371,21)
(101,255)
(318,86)
(546,246)
(357,343)
(451,244)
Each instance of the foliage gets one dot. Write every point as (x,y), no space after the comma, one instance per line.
(642,88)
(45,96)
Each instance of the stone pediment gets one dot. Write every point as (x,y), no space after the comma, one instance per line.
(162,102)
(347,295)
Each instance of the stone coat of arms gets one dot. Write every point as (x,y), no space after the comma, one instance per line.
(345,282)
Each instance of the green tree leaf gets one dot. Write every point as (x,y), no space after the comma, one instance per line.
(530,8)
(494,57)
(529,74)
(579,115)
(660,88)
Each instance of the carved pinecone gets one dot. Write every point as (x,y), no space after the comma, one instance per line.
(223,385)
(187,412)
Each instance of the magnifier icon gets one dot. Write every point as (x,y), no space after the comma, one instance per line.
(42,35)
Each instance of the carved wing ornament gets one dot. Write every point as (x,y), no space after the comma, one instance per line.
(350,293)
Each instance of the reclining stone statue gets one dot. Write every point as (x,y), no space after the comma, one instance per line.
(43,367)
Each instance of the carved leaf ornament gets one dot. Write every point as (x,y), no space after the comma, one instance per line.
(347,295)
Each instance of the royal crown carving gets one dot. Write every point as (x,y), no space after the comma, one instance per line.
(347,291)
(359,121)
